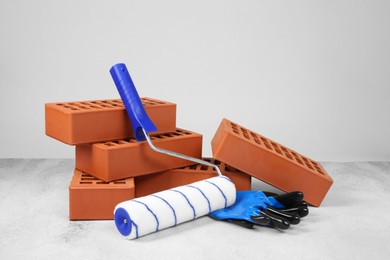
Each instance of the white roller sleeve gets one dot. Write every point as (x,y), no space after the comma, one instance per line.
(141,216)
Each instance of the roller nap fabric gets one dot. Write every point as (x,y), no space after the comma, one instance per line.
(141,216)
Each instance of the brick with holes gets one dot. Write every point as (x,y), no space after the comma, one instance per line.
(93,199)
(102,120)
(148,184)
(270,162)
(126,158)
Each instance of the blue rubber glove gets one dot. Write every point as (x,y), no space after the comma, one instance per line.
(264,209)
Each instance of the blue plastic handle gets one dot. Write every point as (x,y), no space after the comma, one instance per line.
(138,117)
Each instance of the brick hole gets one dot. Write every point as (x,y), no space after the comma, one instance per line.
(265,141)
(89,178)
(297,158)
(192,167)
(229,168)
(245,133)
(85,182)
(246,136)
(279,151)
(319,170)
(307,163)
(254,135)
(145,101)
(59,104)
(276,147)
(110,144)
(317,167)
(218,163)
(182,132)
(155,137)
(119,182)
(208,159)
(287,153)
(257,140)
(235,129)
(115,104)
(102,182)
(204,167)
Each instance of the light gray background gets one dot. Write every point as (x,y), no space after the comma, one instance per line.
(312,75)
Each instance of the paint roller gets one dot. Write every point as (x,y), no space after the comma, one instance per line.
(148,214)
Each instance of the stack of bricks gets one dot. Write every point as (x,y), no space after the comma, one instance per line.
(112,167)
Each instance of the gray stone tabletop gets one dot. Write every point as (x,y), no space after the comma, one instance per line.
(352,222)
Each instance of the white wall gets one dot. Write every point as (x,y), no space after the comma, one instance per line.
(312,75)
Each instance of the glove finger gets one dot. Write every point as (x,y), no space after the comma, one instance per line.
(303,208)
(302,203)
(242,223)
(301,211)
(289,199)
(276,221)
(261,220)
(291,217)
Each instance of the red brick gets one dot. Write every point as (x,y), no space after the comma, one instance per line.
(127,158)
(93,199)
(102,120)
(148,184)
(270,162)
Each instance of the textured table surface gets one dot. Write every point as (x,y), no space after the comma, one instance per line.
(352,223)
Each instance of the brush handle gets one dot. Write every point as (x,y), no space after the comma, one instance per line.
(129,95)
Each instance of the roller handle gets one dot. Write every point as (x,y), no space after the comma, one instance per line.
(138,117)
